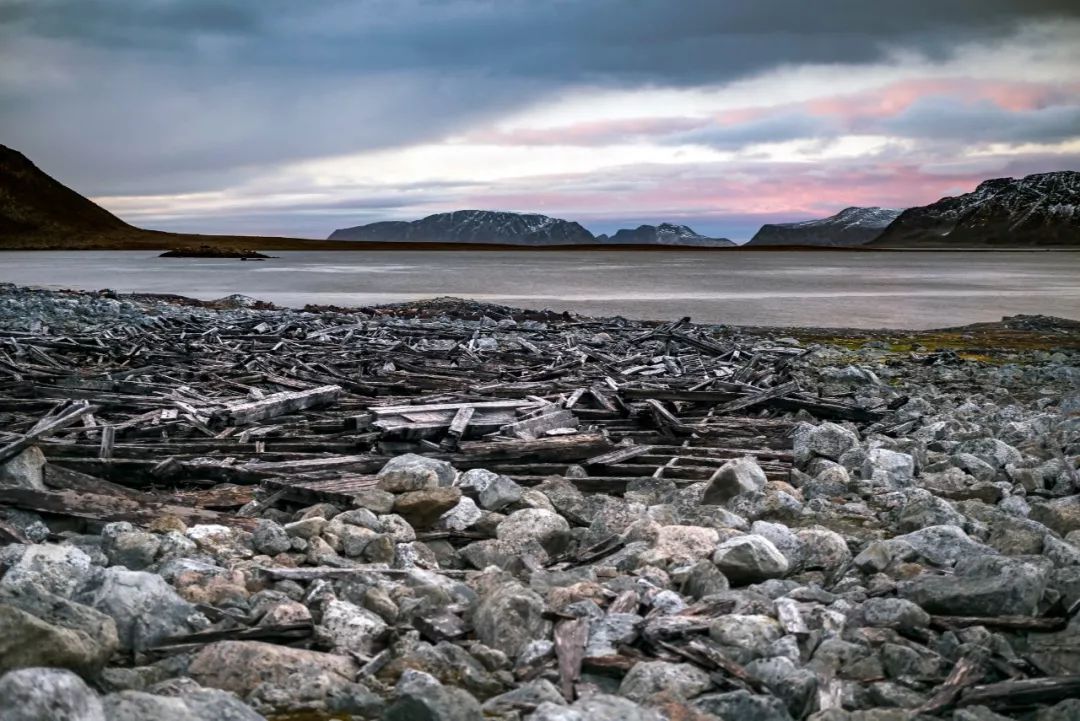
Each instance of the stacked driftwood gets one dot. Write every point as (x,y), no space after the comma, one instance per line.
(201,410)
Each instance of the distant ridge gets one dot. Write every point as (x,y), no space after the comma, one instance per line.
(472,226)
(850,227)
(664,234)
(496,227)
(33,202)
(1036,210)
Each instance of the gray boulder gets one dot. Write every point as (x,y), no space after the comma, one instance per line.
(596,707)
(737,476)
(830,440)
(25,470)
(749,559)
(508,617)
(47,694)
(499,494)
(896,613)
(742,705)
(528,525)
(888,468)
(648,678)
(60,569)
(270,538)
(941,545)
(982,586)
(145,608)
(421,698)
(91,636)
(411,472)
(203,704)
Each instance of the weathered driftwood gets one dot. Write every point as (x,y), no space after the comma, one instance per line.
(97,507)
(1022,693)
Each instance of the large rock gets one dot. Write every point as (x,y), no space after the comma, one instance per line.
(145,608)
(508,617)
(411,472)
(520,528)
(742,705)
(422,698)
(823,549)
(596,707)
(198,705)
(27,641)
(941,545)
(241,666)
(25,470)
(888,468)
(59,569)
(270,538)
(749,559)
(982,586)
(422,508)
(348,627)
(830,440)
(648,678)
(1060,514)
(47,694)
(737,476)
(95,630)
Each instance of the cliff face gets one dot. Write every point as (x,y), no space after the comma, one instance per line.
(472,226)
(663,234)
(1042,209)
(849,227)
(32,202)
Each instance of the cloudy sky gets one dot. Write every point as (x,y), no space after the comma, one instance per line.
(294,118)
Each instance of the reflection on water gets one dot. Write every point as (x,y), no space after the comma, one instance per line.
(899,290)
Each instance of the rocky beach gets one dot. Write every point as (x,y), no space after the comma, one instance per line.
(447,510)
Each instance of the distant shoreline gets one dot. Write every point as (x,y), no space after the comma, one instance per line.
(297,244)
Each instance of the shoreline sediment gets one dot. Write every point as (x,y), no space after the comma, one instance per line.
(459,510)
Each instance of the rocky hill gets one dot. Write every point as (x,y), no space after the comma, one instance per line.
(849,227)
(1036,210)
(472,226)
(32,202)
(663,234)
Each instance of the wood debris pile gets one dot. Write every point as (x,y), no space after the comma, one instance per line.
(203,409)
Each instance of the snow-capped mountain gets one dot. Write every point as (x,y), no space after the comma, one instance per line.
(493,227)
(1042,209)
(472,226)
(663,234)
(849,227)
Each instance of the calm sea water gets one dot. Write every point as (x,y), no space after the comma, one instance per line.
(869,290)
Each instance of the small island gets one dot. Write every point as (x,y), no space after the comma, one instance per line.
(207,251)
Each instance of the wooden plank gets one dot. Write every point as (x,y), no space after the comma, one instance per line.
(97,507)
(1023,693)
(279,404)
(535,427)
(458,426)
(618,455)
(754,399)
(45,427)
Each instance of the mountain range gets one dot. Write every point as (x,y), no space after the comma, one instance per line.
(1042,209)
(849,227)
(37,212)
(493,227)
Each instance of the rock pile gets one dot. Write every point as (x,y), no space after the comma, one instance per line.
(925,565)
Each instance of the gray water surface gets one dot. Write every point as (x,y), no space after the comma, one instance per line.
(859,289)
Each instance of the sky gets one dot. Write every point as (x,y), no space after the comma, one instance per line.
(277,117)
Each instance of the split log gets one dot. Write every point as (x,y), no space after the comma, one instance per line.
(79,504)
(1023,693)
(279,404)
